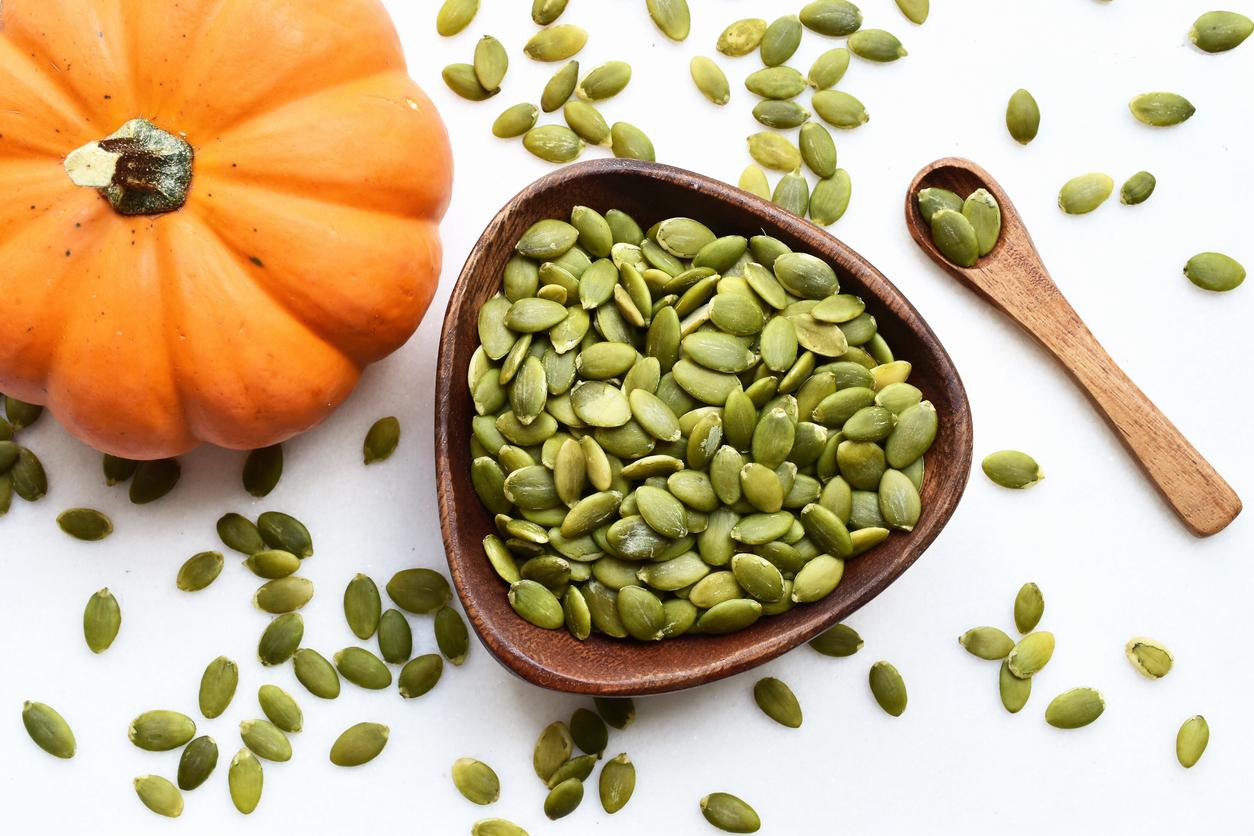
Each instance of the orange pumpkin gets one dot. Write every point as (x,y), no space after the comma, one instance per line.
(150,312)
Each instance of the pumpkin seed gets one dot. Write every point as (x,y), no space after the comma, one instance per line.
(617,783)
(817,579)
(244,780)
(8,456)
(839,109)
(834,18)
(101,620)
(159,795)
(818,150)
(419,591)
(21,414)
(558,90)
(774,151)
(617,712)
(419,675)
(828,69)
(491,63)
(85,524)
(563,799)
(496,827)
(544,12)
(266,740)
(396,640)
(1193,736)
(359,744)
(554,144)
(197,763)
(516,120)
(536,604)
(27,476)
(1029,607)
(899,500)
(987,643)
(888,688)
(280,708)
(671,17)
(1081,195)
(263,469)
(362,668)
(381,440)
(362,606)
(779,115)
(778,702)
(780,40)
(1137,188)
(1023,117)
(284,595)
(1220,32)
(1150,658)
(982,211)
(839,641)
(556,43)
(604,82)
(730,814)
(629,142)
(1075,708)
(1012,469)
(316,674)
(116,469)
(1161,109)
(451,635)
(932,200)
(1014,691)
(455,15)
(955,237)
(753,180)
(48,729)
(915,10)
(1031,654)
(710,80)
(280,639)
(1214,271)
(270,564)
(792,193)
(830,198)
(464,81)
(217,687)
(742,37)
(876,45)
(476,781)
(161,731)
(775,83)
(281,531)
(729,616)
(553,748)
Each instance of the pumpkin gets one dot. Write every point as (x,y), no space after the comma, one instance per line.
(214,214)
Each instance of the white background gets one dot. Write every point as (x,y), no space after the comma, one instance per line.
(1111,559)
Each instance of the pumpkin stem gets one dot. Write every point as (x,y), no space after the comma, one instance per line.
(140,169)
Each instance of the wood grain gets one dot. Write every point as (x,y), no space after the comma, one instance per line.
(1014,279)
(603,666)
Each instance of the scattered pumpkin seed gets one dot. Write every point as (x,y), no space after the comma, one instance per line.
(888,688)
(604,82)
(280,708)
(563,799)
(1081,195)
(1161,109)
(462,80)
(48,729)
(1031,654)
(828,69)
(629,142)
(834,18)
(1029,607)
(1150,658)
(476,781)
(161,731)
(496,827)
(266,740)
(419,591)
(777,701)
(1023,117)
(671,17)
(1220,32)
(85,524)
(359,744)
(617,783)
(780,115)
(217,687)
(451,635)
(557,91)
(1075,708)
(197,763)
(455,15)
(270,564)
(240,534)
(742,37)
(553,749)
(780,40)
(915,10)
(775,83)
(556,43)
(244,780)
(730,814)
(283,595)
(987,643)
(710,80)
(515,121)
(281,531)
(1012,469)
(838,641)
(280,639)
(101,621)
(396,640)
(199,571)
(1137,188)
(317,674)
(792,193)
(554,144)
(420,675)
(491,63)
(159,795)
(1214,271)
(618,713)
(876,45)
(262,470)
(116,469)
(830,198)
(1191,741)
(839,109)
(1014,691)
(361,667)
(27,476)
(362,606)
(544,12)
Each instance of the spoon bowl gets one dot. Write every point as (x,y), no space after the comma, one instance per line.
(612,667)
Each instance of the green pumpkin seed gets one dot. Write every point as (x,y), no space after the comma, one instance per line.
(828,69)
(728,813)
(21,414)
(359,744)
(544,12)
(742,37)
(1023,117)
(982,211)
(266,740)
(586,121)
(987,643)
(490,63)
(1161,109)
(1214,271)
(496,827)
(1150,658)
(516,120)
(1031,654)
(839,109)
(244,780)
(197,763)
(558,90)
(48,729)
(629,142)
(1012,469)
(270,564)
(817,579)
(780,40)
(818,150)
(834,18)
(27,476)
(915,10)
(775,83)
(617,783)
(830,198)
(159,795)
(1220,32)
(826,530)
(774,151)
(280,531)
(1014,691)
(899,500)
(262,470)
(419,675)
(913,435)
(280,639)
(1191,740)
(955,237)
(553,748)
(876,45)
(729,616)
(316,674)
(280,708)
(462,80)
(284,595)
(780,115)
(476,781)
(362,668)
(710,80)
(641,613)
(8,455)
(451,635)
(792,193)
(419,591)
(1075,708)
(671,17)
(396,640)
(888,688)
(1029,607)
(839,641)
(1137,188)
(758,529)
(101,620)
(381,440)
(563,799)
(161,731)
(778,702)
(932,200)
(153,480)
(455,15)
(758,577)
(536,604)
(1081,195)
(554,144)
(556,43)
(217,687)
(618,713)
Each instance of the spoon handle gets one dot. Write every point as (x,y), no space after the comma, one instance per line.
(1195,491)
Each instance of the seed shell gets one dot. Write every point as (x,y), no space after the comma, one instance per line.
(1151,659)
(359,744)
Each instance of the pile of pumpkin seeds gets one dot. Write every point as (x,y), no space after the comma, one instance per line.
(963,230)
(682,432)
(21,472)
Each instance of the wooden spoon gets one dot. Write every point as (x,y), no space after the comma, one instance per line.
(1015,280)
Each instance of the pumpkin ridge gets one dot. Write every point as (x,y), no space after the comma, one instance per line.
(65,107)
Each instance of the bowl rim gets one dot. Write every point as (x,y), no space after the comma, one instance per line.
(460,313)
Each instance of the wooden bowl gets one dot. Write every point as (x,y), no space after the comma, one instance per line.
(620,667)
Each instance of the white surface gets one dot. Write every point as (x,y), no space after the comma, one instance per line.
(1111,559)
